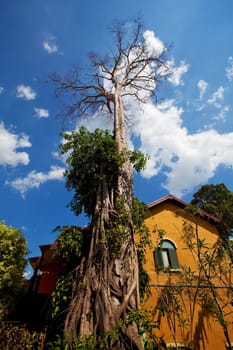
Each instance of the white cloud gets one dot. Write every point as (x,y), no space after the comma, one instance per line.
(1,89)
(177,72)
(222,114)
(98,120)
(61,157)
(41,112)
(9,145)
(199,108)
(50,45)
(36,179)
(27,274)
(217,97)
(25,92)
(202,85)
(229,69)
(154,45)
(187,160)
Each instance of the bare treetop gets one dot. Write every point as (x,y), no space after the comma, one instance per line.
(135,67)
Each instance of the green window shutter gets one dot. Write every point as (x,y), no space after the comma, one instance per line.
(158,258)
(173,258)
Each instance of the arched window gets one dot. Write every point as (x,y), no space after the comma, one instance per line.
(165,255)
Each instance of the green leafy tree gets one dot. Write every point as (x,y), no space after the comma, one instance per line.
(100,174)
(13,250)
(218,201)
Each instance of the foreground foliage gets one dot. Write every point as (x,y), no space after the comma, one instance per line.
(13,250)
(17,337)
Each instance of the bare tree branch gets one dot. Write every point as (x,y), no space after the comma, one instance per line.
(132,66)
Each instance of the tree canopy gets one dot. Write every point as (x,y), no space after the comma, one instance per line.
(93,157)
(218,201)
(13,250)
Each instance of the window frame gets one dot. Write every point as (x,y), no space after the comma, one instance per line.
(170,262)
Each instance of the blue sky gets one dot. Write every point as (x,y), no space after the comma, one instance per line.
(188,134)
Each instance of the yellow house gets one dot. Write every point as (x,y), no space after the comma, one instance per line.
(191,286)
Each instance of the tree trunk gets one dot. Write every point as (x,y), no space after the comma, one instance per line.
(105,287)
(125,180)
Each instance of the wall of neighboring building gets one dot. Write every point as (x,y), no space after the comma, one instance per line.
(47,269)
(170,218)
(206,330)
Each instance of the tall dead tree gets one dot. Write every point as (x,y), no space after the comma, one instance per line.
(106,287)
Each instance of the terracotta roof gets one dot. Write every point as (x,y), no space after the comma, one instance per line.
(182,204)
(50,246)
(167,198)
(35,259)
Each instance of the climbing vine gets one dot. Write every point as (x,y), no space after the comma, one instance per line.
(92,158)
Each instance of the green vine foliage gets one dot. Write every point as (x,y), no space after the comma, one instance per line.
(147,322)
(93,156)
(88,342)
(61,296)
(117,232)
(143,241)
(138,160)
(69,243)
(72,244)
(89,155)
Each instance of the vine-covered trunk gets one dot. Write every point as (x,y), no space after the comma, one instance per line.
(105,285)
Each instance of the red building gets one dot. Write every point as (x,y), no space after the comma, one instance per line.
(46,269)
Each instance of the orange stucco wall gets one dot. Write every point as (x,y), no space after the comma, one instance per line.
(208,333)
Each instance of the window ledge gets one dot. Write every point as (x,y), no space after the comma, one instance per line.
(172,270)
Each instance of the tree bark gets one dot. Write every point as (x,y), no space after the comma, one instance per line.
(125,181)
